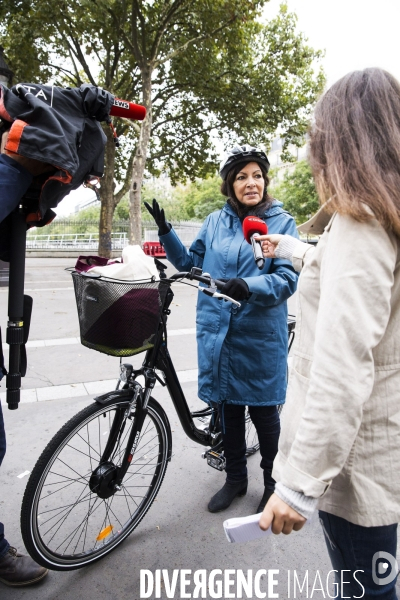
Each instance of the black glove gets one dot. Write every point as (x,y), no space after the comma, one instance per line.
(159,216)
(236,288)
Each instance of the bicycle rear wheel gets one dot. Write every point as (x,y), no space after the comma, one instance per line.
(252,443)
(65,525)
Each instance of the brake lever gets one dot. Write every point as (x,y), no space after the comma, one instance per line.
(228,298)
(213,292)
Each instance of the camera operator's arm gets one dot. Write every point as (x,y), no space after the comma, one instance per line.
(14,182)
(16,175)
(35,167)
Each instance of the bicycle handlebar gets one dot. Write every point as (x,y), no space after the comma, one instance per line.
(213,284)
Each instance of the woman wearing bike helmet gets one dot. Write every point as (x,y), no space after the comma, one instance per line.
(340,448)
(242,352)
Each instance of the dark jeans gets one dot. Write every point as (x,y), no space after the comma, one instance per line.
(354,548)
(267,424)
(4,545)
(15,180)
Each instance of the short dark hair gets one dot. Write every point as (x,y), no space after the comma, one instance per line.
(227,184)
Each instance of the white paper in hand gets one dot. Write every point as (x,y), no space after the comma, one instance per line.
(244,529)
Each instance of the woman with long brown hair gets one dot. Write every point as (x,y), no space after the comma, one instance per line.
(339,448)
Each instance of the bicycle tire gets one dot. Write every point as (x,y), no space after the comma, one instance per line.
(252,443)
(64,524)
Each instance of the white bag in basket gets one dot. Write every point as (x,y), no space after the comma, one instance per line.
(135,265)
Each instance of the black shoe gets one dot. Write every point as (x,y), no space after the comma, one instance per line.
(266,496)
(222,499)
(18,570)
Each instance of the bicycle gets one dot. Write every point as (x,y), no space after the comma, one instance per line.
(88,492)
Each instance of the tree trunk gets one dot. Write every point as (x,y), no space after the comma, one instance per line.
(138,166)
(107,198)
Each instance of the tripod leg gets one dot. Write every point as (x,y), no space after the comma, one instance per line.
(15,327)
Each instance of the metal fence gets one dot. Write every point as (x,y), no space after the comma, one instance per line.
(71,241)
(84,235)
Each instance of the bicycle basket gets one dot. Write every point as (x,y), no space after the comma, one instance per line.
(118,318)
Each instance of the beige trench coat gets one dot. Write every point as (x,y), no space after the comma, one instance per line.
(340,438)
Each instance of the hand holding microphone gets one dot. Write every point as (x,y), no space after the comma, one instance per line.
(269,244)
(252,228)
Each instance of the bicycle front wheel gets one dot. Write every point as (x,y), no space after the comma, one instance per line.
(65,525)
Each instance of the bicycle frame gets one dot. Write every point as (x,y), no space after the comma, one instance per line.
(158,357)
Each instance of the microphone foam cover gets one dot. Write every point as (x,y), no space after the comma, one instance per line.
(252,225)
(127,110)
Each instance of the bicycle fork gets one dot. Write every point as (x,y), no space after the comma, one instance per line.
(107,478)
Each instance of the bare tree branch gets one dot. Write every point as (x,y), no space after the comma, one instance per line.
(182,141)
(127,182)
(141,18)
(178,117)
(192,41)
(74,76)
(168,17)
(134,47)
(76,50)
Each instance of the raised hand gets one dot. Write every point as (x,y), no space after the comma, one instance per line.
(159,216)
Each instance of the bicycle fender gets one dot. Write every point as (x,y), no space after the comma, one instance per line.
(114,395)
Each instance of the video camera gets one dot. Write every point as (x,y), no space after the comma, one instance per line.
(59,128)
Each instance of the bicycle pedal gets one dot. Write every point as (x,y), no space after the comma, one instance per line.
(215,460)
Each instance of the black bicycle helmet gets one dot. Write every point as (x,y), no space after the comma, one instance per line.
(244,153)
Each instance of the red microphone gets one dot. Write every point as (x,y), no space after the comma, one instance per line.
(255,226)
(127,110)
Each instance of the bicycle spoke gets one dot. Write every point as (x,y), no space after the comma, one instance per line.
(76,450)
(69,467)
(85,520)
(123,487)
(88,443)
(127,503)
(61,508)
(64,518)
(72,525)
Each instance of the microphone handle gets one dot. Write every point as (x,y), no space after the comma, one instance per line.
(257,251)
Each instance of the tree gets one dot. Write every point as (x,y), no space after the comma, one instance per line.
(297,192)
(77,45)
(204,70)
(201,197)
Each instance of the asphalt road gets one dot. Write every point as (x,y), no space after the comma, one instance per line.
(178,532)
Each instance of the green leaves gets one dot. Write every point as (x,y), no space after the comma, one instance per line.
(210,72)
(297,192)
